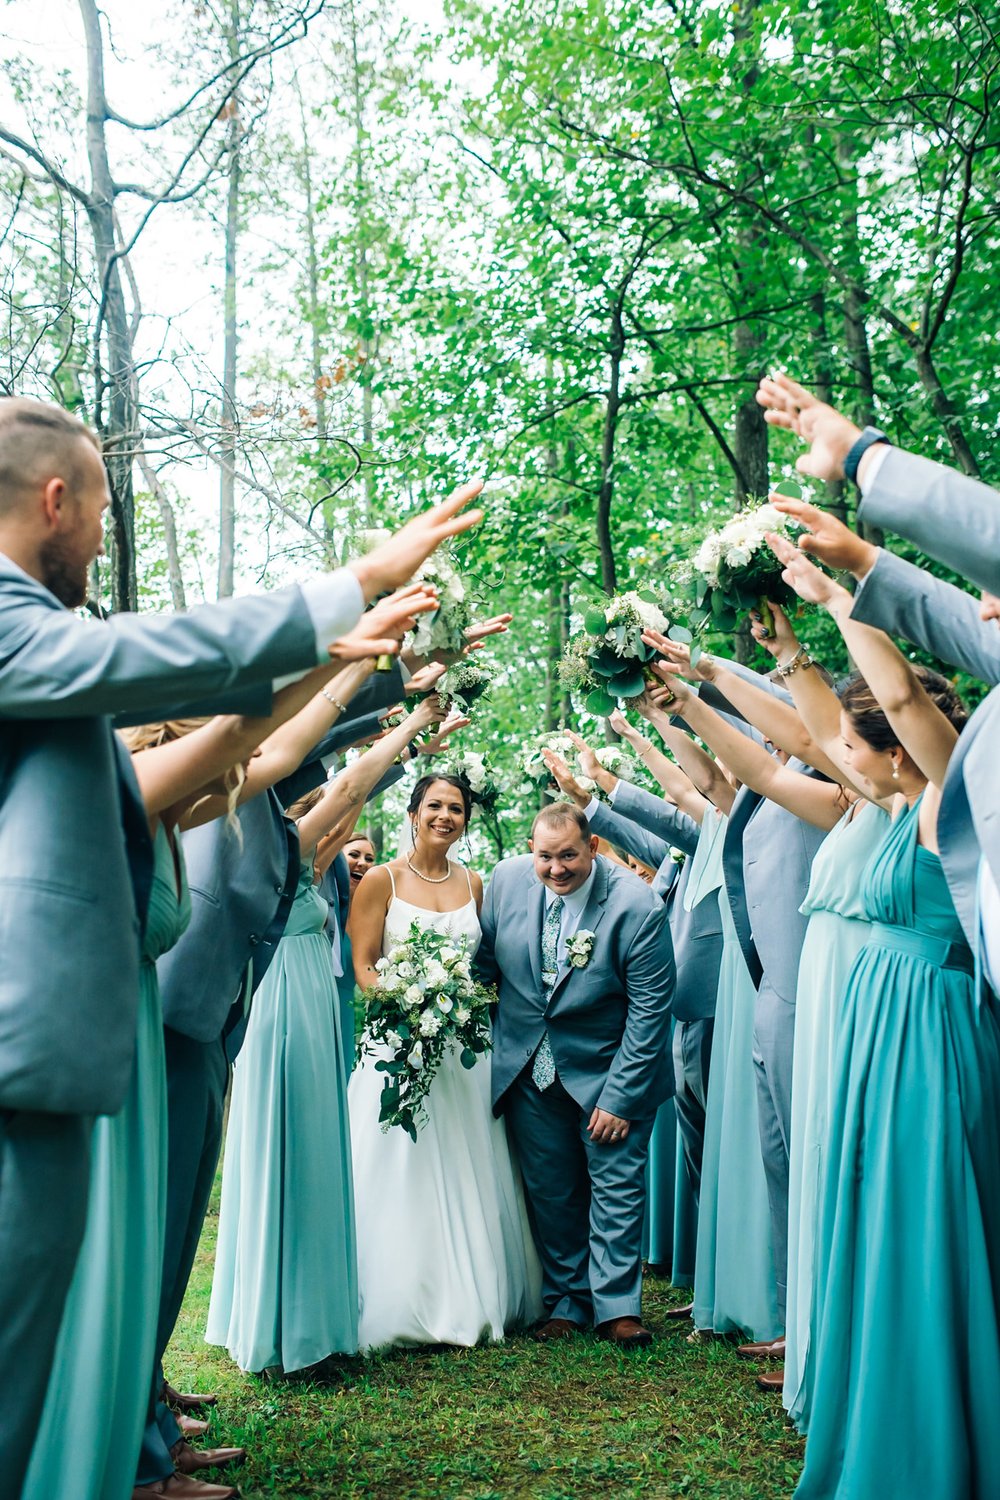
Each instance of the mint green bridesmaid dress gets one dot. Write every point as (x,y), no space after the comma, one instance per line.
(95,1410)
(734,1284)
(907,1389)
(838,929)
(285,1290)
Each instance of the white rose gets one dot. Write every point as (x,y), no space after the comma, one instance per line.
(738,557)
(449,954)
(435,975)
(413,996)
(405,970)
(461,1015)
(393,1040)
(381,964)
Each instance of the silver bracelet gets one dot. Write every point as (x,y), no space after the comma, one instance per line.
(800,658)
(335,701)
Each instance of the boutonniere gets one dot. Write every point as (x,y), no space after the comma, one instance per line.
(579,948)
(678,856)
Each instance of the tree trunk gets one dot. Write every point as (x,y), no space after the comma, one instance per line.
(366,343)
(117,418)
(230,356)
(314,312)
(605,495)
(169,524)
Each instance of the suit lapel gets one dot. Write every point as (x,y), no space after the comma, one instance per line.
(536,911)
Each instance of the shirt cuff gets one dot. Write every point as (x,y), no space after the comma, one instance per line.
(591,807)
(876,455)
(335,603)
(614,792)
(863,580)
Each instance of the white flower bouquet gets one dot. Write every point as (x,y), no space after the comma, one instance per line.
(424,1005)
(444,628)
(472,767)
(531,757)
(734,569)
(464,682)
(608,660)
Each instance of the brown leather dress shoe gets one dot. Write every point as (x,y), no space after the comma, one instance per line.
(680,1312)
(628,1333)
(188,1460)
(190,1427)
(555,1329)
(182,1487)
(773,1381)
(181,1402)
(769,1349)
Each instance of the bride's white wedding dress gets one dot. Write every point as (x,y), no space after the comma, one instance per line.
(444,1249)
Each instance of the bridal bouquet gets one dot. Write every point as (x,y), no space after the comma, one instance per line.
(425,1004)
(464,682)
(444,628)
(472,767)
(607,660)
(531,757)
(734,569)
(618,761)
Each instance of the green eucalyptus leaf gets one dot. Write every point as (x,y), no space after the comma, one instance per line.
(681,634)
(629,685)
(788,487)
(646,596)
(697,652)
(595,621)
(600,703)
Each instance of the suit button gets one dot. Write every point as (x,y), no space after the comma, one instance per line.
(280,889)
(254,939)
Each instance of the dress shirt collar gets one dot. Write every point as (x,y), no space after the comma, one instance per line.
(576,900)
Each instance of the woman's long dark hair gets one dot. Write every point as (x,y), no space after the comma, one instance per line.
(863,709)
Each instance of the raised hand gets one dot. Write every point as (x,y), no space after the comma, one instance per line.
(437,742)
(621,726)
(828,538)
(381,628)
(481,629)
(589,764)
(429,710)
(678,656)
(564,778)
(424,679)
(808,581)
(831,436)
(396,560)
(780,640)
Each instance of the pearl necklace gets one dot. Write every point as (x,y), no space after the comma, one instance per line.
(431,879)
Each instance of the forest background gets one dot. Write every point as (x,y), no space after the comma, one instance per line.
(305,266)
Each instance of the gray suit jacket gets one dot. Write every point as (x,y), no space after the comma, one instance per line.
(696,934)
(75,858)
(950,517)
(608,1023)
(935,617)
(767,860)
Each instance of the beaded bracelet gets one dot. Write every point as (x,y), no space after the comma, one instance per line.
(801,659)
(335,701)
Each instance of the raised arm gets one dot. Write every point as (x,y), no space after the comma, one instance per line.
(923,730)
(677,784)
(705,776)
(816,802)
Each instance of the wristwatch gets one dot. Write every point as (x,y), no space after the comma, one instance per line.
(869,437)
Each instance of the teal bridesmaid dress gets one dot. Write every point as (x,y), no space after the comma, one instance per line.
(95,1409)
(671,1207)
(907,1385)
(285,1290)
(734,1283)
(837,931)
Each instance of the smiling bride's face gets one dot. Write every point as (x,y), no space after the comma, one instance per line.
(440,818)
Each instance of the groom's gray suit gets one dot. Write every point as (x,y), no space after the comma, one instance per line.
(609,1027)
(75,871)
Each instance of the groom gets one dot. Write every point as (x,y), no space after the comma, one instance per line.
(582,955)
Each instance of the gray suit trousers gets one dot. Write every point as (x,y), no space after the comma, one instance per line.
(773,1044)
(44,1182)
(197,1076)
(692,1056)
(585,1202)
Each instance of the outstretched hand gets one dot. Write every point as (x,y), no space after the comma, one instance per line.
(479,630)
(425,677)
(778,641)
(396,560)
(381,628)
(450,726)
(828,538)
(831,435)
(808,581)
(589,764)
(564,778)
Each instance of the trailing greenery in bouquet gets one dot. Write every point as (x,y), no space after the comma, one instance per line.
(464,682)
(472,766)
(424,1006)
(608,661)
(734,570)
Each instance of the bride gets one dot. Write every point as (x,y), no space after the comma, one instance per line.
(444,1250)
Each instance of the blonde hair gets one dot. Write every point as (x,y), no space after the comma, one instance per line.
(305,804)
(163,732)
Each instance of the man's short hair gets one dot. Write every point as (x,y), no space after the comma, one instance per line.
(38,442)
(559,814)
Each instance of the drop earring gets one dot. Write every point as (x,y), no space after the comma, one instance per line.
(895,771)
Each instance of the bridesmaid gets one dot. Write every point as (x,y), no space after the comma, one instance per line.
(285,1289)
(908,1354)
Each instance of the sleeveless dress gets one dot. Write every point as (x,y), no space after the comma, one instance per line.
(445,1254)
(284,1293)
(95,1409)
(734,1283)
(838,929)
(907,1386)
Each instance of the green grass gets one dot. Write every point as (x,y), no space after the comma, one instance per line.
(565,1422)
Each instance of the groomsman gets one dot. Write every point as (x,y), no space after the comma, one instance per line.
(74,842)
(582,955)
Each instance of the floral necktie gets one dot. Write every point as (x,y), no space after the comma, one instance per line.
(543,1070)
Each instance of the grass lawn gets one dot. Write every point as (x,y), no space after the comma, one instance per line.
(568,1422)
